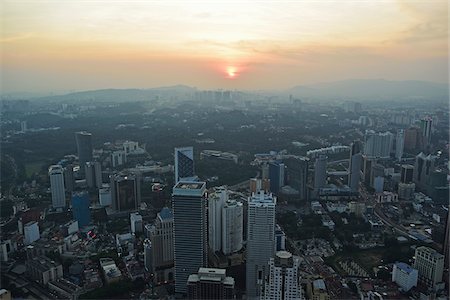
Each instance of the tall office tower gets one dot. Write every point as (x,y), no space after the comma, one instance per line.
(80,208)
(283,281)
(320,172)
(413,139)
(376,171)
(426,126)
(424,166)
(184,163)
(98,174)
(260,241)
(56,174)
(407,173)
(69,179)
(367,168)
(89,174)
(189,204)
(378,144)
(430,265)
(161,238)
(446,249)
(438,187)
(118,158)
(355,166)
(232,227)
(276,176)
(125,192)
(148,256)
(210,284)
(216,202)
(399,144)
(297,169)
(84,148)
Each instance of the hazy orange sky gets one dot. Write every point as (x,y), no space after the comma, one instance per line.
(54,45)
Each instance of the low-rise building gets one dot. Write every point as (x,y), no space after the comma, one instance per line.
(110,270)
(43,269)
(210,283)
(65,288)
(405,276)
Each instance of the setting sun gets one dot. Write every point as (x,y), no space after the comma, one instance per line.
(231,71)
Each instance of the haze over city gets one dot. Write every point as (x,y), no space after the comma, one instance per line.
(83,45)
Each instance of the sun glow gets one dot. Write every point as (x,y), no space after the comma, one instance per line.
(231,72)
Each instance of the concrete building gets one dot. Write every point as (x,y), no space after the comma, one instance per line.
(320,172)
(80,208)
(430,265)
(184,163)
(354,176)
(297,169)
(43,269)
(189,204)
(69,179)
(118,158)
(260,241)
(216,202)
(104,196)
(407,174)
(31,233)
(232,227)
(317,290)
(280,239)
(210,283)
(56,174)
(93,174)
(378,145)
(136,223)
(377,170)
(84,148)
(257,184)
(426,125)
(283,281)
(405,276)
(399,144)
(276,176)
(125,192)
(406,191)
(110,270)
(413,140)
(423,167)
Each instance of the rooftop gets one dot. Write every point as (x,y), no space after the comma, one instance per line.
(404,267)
(165,213)
(190,185)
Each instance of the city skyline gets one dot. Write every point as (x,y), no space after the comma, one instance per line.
(54,46)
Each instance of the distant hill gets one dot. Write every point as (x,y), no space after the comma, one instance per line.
(372,88)
(122,95)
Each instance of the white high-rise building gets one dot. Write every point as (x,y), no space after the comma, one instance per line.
(283,279)
(136,223)
(399,144)
(378,144)
(260,241)
(56,174)
(31,233)
(184,164)
(216,202)
(404,276)
(232,227)
(430,265)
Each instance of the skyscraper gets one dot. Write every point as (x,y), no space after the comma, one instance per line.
(399,144)
(426,126)
(423,167)
(69,179)
(80,208)
(260,241)
(56,174)
(84,148)
(355,166)
(216,202)
(446,249)
(189,206)
(184,163)
(276,176)
(378,144)
(297,169)
(407,174)
(320,172)
(283,281)
(413,139)
(125,192)
(232,227)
